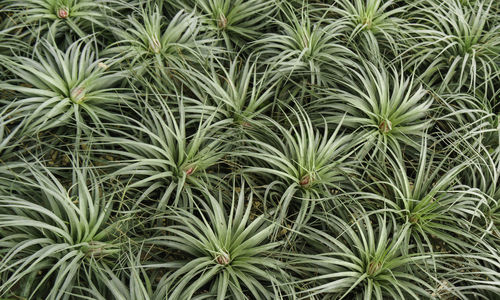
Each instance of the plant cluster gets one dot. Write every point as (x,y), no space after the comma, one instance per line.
(249,149)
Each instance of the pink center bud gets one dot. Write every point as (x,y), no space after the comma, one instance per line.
(305,180)
(246,124)
(62,13)
(77,94)
(222,22)
(223,259)
(414,219)
(385,126)
(373,268)
(189,171)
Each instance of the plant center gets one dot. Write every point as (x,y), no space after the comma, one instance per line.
(306,180)
(385,126)
(77,94)
(154,44)
(222,21)
(373,268)
(223,258)
(63,12)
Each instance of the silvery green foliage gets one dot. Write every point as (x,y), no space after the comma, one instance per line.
(261,149)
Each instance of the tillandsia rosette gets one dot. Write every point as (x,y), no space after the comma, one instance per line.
(65,87)
(57,18)
(249,149)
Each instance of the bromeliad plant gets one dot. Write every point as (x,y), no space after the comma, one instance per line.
(306,49)
(36,18)
(483,173)
(468,276)
(59,88)
(12,146)
(9,138)
(387,110)
(149,38)
(228,252)
(441,213)
(299,165)
(233,22)
(11,44)
(467,117)
(457,46)
(137,284)
(374,26)
(163,159)
(360,260)
(237,93)
(53,239)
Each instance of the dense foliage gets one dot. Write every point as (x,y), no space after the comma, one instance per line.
(249,149)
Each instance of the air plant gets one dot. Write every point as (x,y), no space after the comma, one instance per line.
(456,46)
(483,174)
(163,159)
(360,260)
(306,49)
(466,117)
(432,202)
(52,238)
(227,251)
(385,108)
(233,22)
(374,26)
(135,285)
(237,93)
(64,88)
(149,42)
(56,18)
(467,276)
(299,165)
(249,149)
